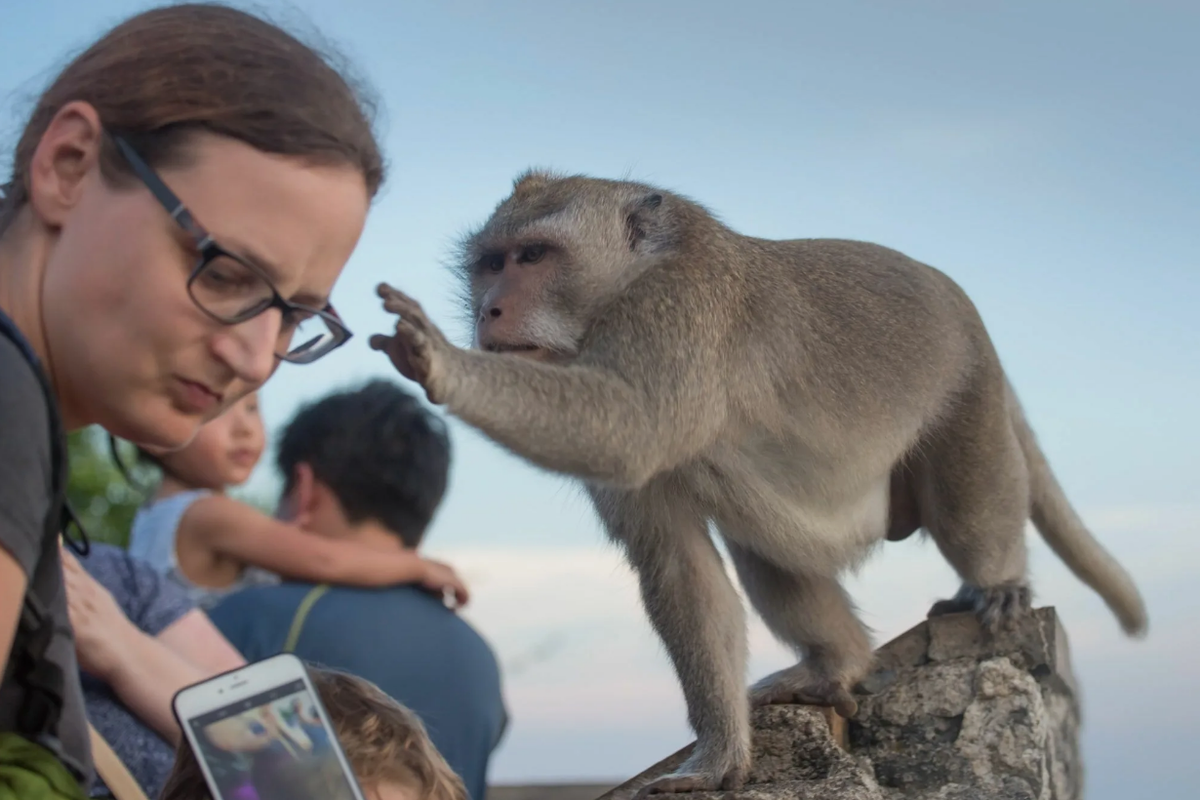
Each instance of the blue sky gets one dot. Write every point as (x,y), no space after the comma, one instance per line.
(1044,155)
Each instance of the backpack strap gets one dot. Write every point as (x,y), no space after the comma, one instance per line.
(310,599)
(30,666)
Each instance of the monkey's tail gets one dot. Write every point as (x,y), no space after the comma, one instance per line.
(1069,538)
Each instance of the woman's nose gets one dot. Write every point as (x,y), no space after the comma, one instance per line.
(249,347)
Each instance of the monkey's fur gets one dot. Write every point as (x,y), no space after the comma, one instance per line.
(790,392)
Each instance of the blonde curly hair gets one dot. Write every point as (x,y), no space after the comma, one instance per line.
(383,741)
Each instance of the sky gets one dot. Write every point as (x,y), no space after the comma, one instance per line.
(1044,155)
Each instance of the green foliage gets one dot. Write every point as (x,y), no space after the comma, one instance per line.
(100,495)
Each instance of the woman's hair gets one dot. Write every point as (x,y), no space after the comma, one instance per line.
(167,73)
(383,741)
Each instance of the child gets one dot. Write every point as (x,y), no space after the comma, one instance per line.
(215,545)
(385,743)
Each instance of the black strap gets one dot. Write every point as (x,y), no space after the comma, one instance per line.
(43,680)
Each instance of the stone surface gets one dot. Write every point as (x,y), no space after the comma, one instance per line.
(949,712)
(795,756)
(987,716)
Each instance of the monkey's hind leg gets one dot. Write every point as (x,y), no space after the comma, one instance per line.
(813,615)
(974,486)
(697,613)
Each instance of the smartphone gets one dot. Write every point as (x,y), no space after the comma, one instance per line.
(260,732)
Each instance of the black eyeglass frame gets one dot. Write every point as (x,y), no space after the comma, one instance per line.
(209,250)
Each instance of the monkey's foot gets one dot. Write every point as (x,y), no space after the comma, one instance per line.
(996,607)
(682,782)
(800,687)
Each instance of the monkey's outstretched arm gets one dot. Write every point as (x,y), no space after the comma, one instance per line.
(584,419)
(580,420)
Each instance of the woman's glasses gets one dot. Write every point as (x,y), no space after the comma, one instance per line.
(231,290)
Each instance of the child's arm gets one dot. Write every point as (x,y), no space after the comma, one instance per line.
(194,637)
(239,531)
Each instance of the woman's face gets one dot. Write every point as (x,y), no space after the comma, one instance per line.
(129,349)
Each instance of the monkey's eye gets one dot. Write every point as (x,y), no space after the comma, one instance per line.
(531,254)
(493,262)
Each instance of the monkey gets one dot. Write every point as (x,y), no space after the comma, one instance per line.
(807,398)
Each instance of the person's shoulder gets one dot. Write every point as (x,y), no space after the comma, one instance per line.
(400,602)
(255,619)
(26,468)
(22,398)
(11,356)
(266,598)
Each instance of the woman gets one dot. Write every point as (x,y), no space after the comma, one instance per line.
(182,200)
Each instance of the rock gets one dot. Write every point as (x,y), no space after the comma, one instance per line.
(796,756)
(949,712)
(982,716)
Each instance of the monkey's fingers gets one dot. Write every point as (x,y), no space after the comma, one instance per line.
(397,302)
(380,342)
(397,345)
(404,306)
(999,607)
(386,290)
(995,607)
(411,335)
(400,353)
(686,783)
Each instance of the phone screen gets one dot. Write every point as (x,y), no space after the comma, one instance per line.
(271,746)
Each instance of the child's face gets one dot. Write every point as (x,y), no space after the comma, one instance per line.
(225,450)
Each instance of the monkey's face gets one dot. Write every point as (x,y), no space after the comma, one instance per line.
(546,263)
(524,302)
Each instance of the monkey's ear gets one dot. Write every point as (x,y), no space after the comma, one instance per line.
(642,220)
(530,179)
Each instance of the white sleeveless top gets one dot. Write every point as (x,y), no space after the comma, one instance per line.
(152,539)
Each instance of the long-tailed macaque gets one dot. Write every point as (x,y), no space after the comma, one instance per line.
(810,398)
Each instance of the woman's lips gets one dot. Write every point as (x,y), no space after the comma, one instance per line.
(195,398)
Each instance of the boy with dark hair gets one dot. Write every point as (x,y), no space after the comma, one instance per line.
(372,465)
(377,450)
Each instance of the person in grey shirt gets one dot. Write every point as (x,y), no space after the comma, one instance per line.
(31,557)
(127,308)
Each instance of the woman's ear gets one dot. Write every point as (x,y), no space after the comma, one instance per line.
(67,151)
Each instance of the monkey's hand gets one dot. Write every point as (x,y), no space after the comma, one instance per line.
(418,349)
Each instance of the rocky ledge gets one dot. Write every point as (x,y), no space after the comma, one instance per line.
(949,712)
